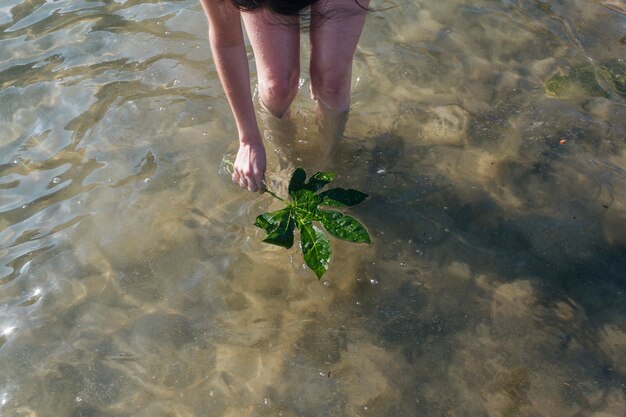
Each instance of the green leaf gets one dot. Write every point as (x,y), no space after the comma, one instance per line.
(340,197)
(297,181)
(279,226)
(319,180)
(344,227)
(315,248)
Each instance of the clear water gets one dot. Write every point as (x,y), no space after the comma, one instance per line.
(133,282)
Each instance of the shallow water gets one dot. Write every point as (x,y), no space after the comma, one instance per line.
(132,279)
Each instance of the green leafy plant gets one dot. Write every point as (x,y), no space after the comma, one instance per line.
(595,80)
(303,210)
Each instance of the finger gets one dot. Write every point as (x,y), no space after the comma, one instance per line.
(261,185)
(252,186)
(257,179)
(243,183)
(235,176)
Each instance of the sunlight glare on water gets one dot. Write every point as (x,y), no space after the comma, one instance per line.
(490,136)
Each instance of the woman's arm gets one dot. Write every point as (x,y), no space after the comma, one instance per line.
(229,53)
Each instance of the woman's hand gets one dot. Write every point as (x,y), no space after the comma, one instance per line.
(249,167)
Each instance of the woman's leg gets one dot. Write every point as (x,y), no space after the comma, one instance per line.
(275,41)
(336,27)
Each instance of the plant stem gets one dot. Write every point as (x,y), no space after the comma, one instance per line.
(274,194)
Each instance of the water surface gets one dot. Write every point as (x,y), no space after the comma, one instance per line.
(491,136)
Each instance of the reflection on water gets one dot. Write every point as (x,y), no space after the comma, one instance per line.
(490,136)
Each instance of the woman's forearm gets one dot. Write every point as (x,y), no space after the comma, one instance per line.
(231,61)
(232,68)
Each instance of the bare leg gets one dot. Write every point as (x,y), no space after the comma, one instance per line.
(336,27)
(275,41)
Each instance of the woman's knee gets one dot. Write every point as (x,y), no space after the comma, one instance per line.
(277,93)
(331,86)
